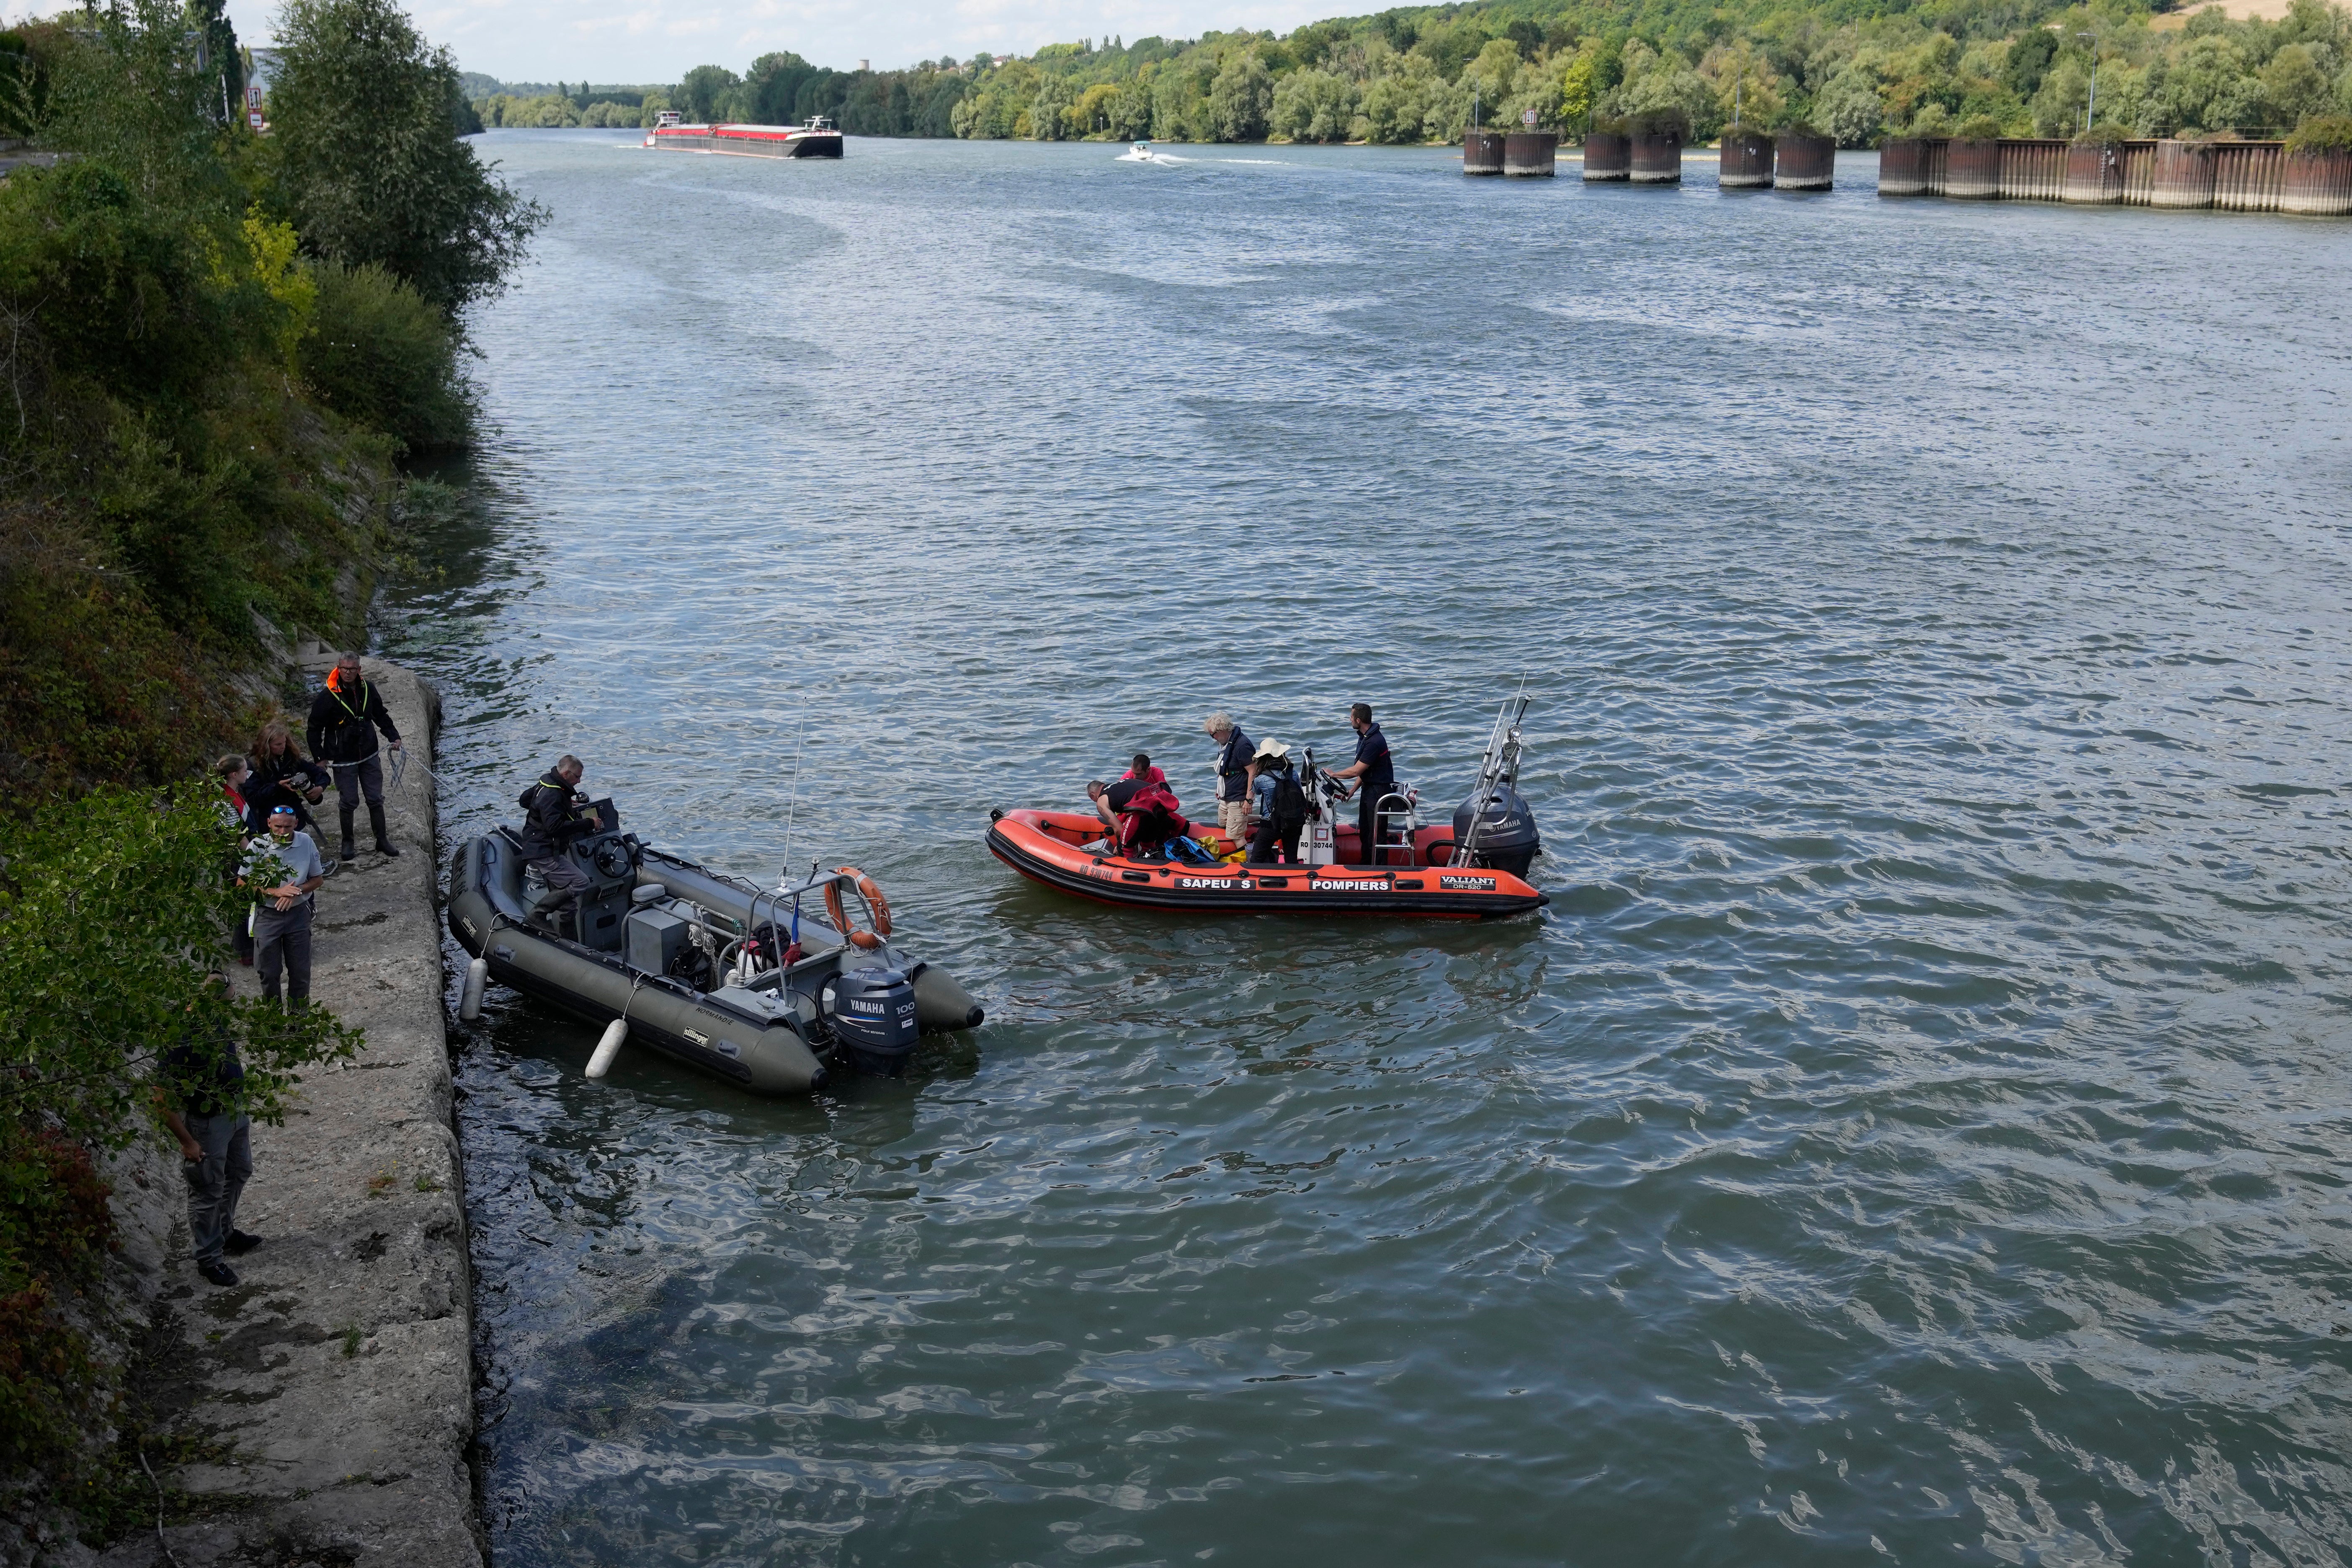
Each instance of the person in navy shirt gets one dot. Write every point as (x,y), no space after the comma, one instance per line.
(1378,776)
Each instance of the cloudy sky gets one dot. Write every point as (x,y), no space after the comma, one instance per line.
(659,40)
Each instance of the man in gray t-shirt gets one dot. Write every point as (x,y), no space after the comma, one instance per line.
(285,871)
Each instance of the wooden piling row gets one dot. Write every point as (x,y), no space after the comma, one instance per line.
(2230,176)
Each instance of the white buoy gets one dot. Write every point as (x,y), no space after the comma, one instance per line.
(608,1047)
(469,998)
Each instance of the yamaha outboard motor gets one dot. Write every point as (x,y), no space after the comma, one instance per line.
(872,1012)
(1494,827)
(1505,838)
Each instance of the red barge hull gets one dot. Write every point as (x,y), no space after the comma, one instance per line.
(749,141)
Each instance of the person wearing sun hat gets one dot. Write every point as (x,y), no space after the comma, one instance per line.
(1281,802)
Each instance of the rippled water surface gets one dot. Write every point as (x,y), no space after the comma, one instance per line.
(1915,1131)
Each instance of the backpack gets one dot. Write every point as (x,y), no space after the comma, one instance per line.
(1289,804)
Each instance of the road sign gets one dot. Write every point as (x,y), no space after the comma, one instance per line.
(1528,118)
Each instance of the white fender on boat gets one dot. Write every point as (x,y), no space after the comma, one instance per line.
(608,1047)
(469,999)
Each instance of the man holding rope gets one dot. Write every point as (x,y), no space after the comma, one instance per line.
(344,720)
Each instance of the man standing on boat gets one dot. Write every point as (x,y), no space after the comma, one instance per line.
(550,820)
(1236,772)
(344,720)
(1377,774)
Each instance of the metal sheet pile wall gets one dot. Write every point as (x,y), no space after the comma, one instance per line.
(2232,176)
(1608,155)
(1657,157)
(1531,154)
(1482,153)
(1746,161)
(1802,161)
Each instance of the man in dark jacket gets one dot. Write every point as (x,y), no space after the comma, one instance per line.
(197,1089)
(1372,766)
(345,718)
(550,820)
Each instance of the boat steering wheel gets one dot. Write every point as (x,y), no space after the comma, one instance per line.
(611,859)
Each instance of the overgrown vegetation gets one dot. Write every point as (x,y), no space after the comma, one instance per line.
(1857,71)
(215,345)
(136,882)
(213,348)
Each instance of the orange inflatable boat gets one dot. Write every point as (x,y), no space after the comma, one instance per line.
(1066,850)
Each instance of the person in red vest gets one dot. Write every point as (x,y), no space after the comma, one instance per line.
(1140,812)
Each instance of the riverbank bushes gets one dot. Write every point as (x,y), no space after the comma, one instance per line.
(1411,75)
(212,349)
(123,880)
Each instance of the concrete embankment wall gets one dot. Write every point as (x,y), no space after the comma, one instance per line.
(333,1384)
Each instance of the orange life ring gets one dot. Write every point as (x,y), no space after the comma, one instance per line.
(875,904)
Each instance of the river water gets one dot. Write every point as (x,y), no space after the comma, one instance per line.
(1916,1129)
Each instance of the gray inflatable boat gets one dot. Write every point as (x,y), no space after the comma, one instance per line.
(700,965)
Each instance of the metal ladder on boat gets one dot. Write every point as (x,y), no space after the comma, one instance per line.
(1393,830)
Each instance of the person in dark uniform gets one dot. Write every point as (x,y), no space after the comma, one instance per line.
(1376,776)
(345,719)
(551,819)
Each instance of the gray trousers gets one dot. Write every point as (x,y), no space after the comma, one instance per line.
(565,880)
(357,780)
(283,938)
(216,1181)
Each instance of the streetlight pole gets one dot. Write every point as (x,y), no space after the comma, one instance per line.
(2091,115)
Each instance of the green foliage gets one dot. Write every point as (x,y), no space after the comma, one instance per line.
(1982,128)
(54,1230)
(367,160)
(1313,106)
(1856,68)
(1240,97)
(383,357)
(137,884)
(165,476)
(2323,133)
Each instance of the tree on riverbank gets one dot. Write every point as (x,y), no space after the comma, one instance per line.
(212,347)
(367,161)
(1409,75)
(199,400)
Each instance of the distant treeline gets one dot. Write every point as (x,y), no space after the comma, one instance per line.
(1857,69)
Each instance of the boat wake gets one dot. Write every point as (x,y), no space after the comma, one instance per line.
(1147,155)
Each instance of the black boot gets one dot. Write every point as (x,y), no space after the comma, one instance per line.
(382,839)
(350,809)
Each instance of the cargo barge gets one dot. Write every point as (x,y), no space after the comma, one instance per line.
(819,138)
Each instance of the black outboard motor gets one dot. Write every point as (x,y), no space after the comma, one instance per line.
(1494,827)
(1506,838)
(872,1011)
